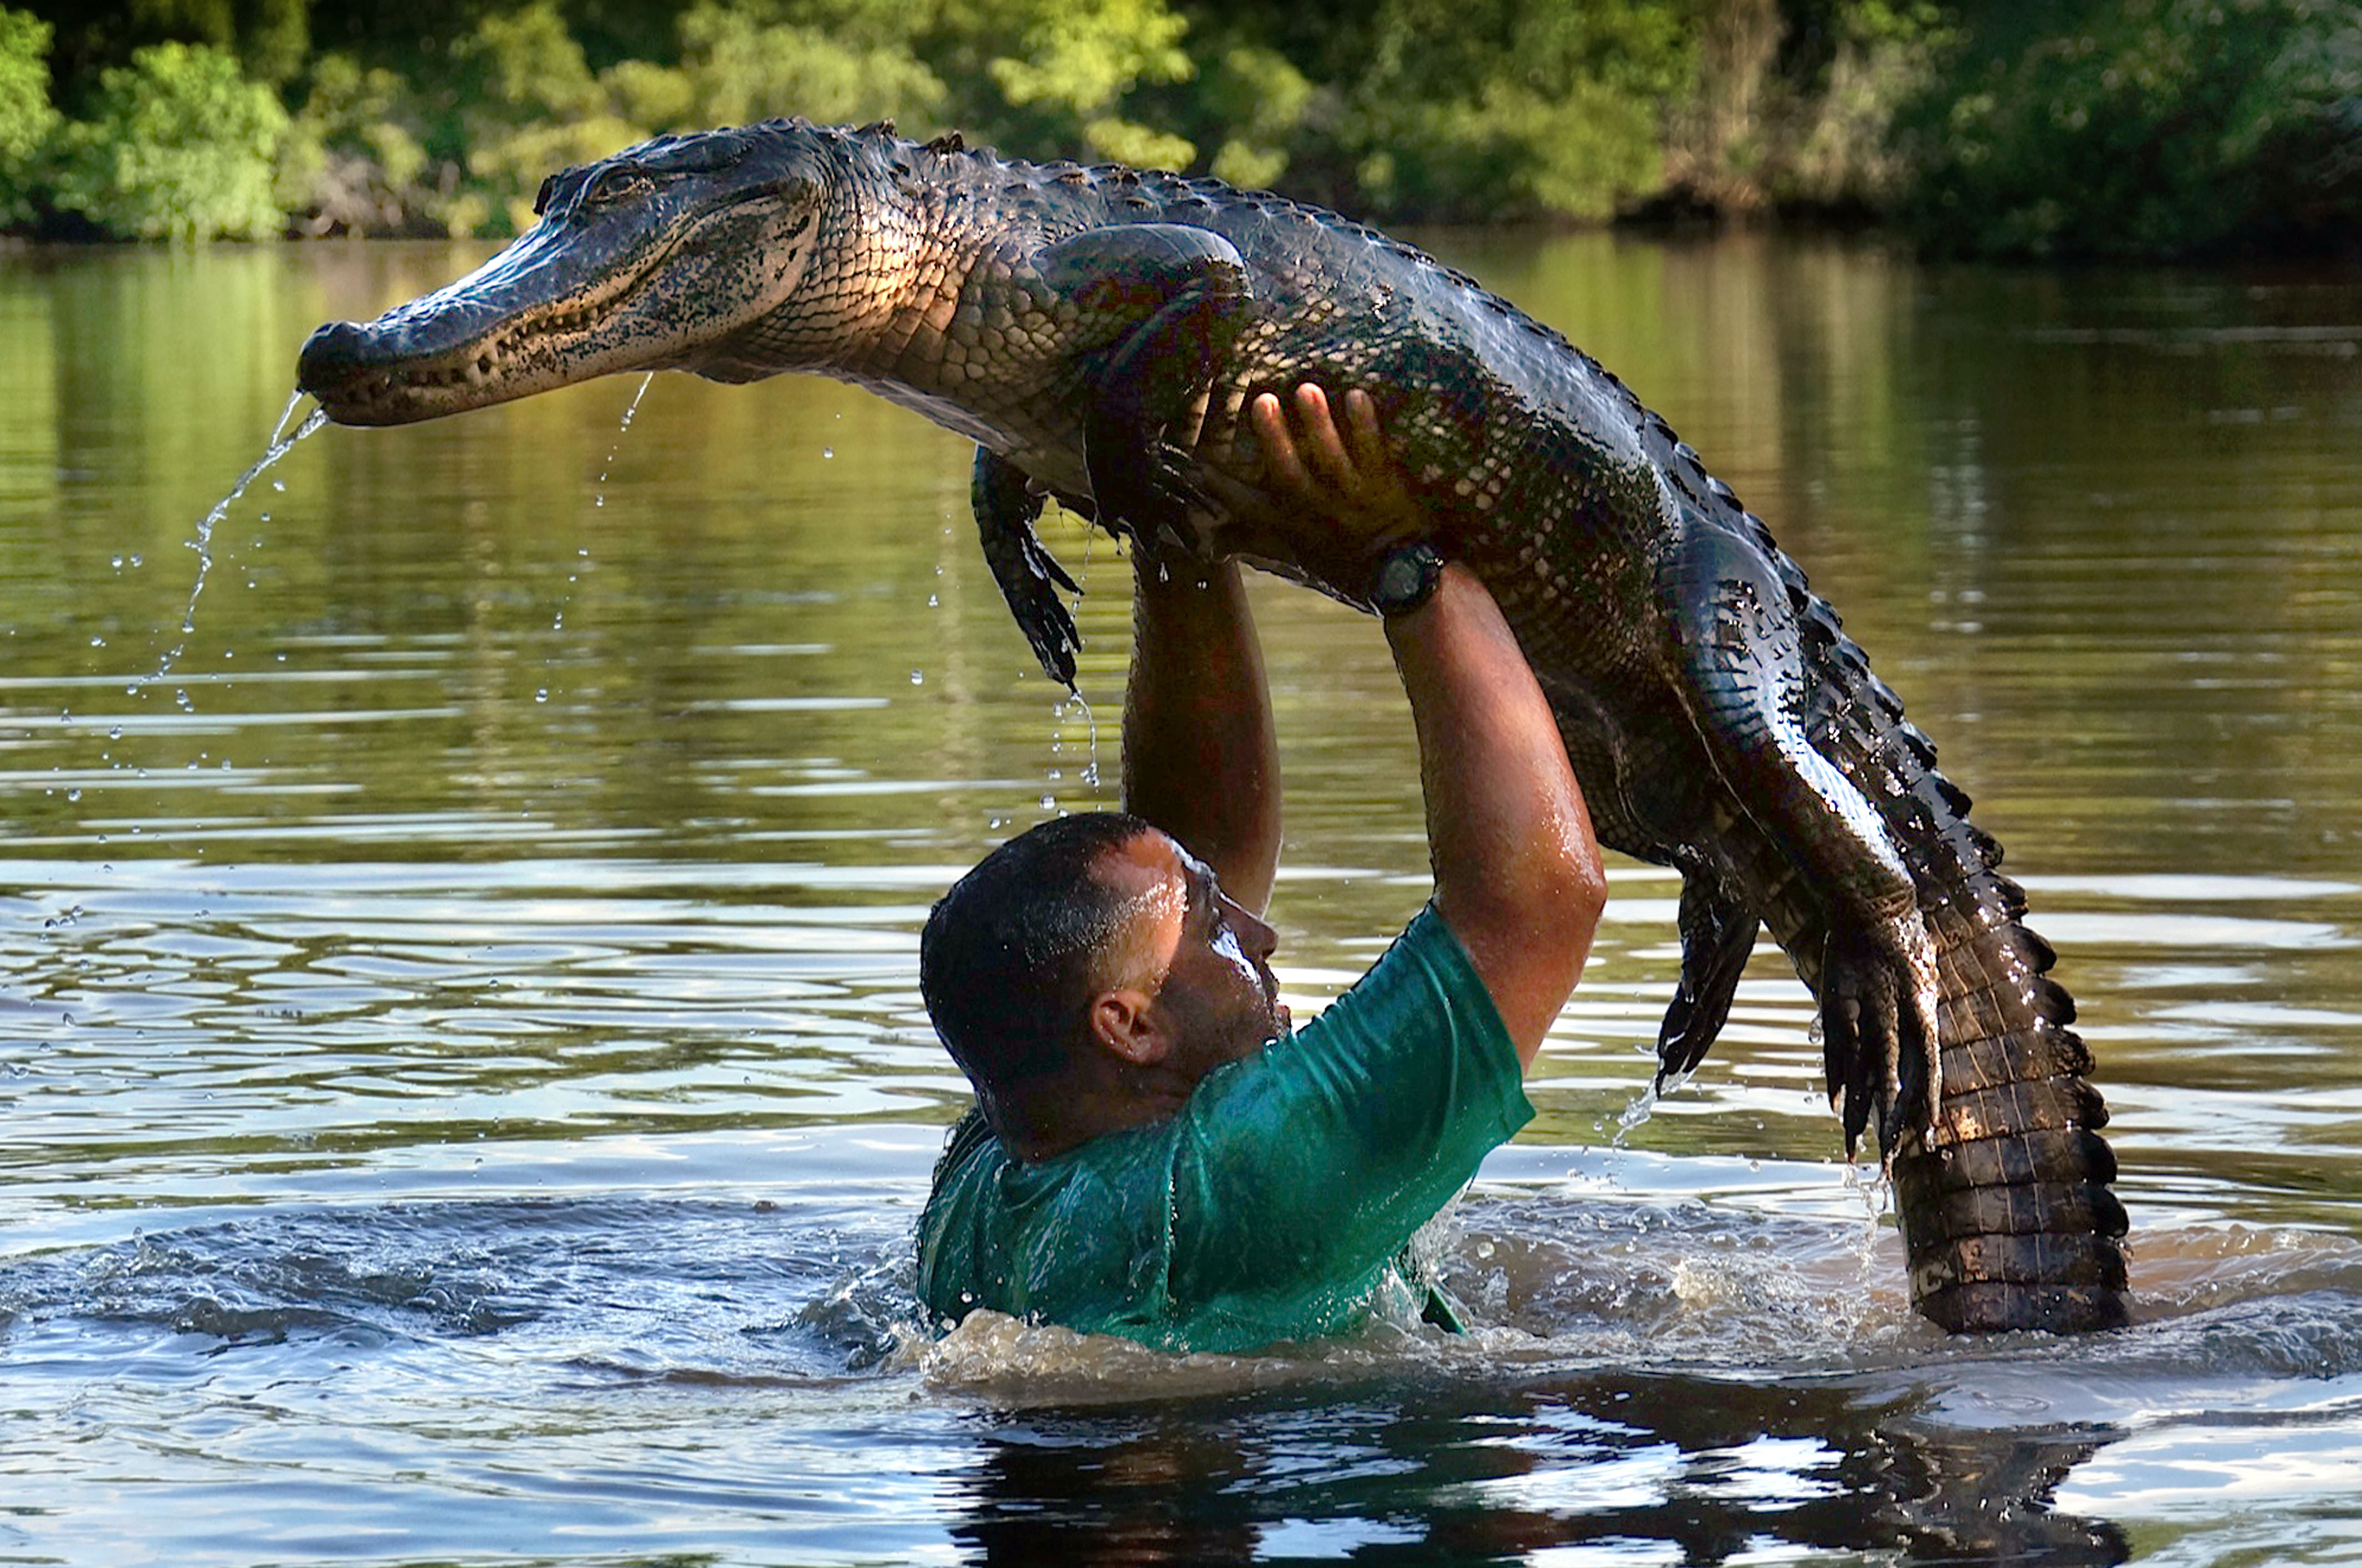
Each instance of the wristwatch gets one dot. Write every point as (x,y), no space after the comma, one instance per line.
(1407,580)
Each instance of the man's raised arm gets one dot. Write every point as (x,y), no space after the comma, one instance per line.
(1199,758)
(1517,869)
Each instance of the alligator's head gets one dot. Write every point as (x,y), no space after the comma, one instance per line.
(663,257)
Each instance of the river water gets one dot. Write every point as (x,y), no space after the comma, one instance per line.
(464,1094)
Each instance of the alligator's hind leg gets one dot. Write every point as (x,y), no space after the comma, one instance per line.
(1736,641)
(1717,935)
(1005,505)
(1183,297)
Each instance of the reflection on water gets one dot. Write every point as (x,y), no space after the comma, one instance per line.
(467,1098)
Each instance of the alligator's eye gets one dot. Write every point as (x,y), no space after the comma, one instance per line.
(620,183)
(541,202)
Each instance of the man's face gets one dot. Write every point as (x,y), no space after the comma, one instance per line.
(1218,992)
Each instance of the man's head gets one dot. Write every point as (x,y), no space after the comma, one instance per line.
(1088,972)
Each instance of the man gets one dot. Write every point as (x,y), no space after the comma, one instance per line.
(1152,1153)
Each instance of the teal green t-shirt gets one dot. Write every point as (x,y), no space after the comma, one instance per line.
(1271,1205)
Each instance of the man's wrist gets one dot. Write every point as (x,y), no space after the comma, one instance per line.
(1405,580)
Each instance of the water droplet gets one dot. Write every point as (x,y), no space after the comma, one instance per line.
(74,794)
(98,642)
(932,602)
(1049,802)
(137,561)
(828,451)
(115,733)
(916,677)
(541,695)
(279,485)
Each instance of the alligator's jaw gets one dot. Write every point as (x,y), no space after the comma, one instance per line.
(502,333)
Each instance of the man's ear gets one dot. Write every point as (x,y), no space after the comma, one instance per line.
(1121,1022)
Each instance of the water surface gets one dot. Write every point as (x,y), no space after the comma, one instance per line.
(466,1098)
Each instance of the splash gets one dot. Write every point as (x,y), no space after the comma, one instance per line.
(1636,1114)
(282,443)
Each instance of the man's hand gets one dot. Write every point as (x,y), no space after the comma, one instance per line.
(1343,482)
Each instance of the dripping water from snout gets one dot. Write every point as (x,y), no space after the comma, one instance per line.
(283,442)
(599,499)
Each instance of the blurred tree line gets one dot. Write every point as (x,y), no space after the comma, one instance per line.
(2007,128)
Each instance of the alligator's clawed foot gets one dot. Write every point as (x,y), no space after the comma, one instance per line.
(1879,1040)
(1149,493)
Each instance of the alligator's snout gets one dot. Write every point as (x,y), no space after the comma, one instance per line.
(330,354)
(372,373)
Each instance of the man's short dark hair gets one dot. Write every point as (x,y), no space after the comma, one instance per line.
(1008,956)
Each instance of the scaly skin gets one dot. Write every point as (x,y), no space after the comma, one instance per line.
(1099,333)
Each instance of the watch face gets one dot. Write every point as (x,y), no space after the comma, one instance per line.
(1407,578)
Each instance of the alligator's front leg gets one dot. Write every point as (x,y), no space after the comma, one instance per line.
(1171,300)
(1736,641)
(1006,504)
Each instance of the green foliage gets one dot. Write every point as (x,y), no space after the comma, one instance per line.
(1056,78)
(1512,109)
(354,162)
(531,104)
(739,66)
(2018,128)
(1260,100)
(2144,128)
(182,147)
(1882,57)
(26,118)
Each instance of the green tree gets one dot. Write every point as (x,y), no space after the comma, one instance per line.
(271,38)
(2142,128)
(531,104)
(743,66)
(182,146)
(355,162)
(27,118)
(1514,109)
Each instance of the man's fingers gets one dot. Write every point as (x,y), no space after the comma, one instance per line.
(1279,444)
(1367,448)
(1337,468)
(1324,448)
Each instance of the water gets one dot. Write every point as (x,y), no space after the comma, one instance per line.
(466,1098)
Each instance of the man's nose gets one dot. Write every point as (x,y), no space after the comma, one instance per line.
(1257,938)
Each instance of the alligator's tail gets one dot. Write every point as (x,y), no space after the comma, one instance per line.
(2005,1199)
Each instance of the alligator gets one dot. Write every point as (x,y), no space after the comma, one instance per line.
(1099,332)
